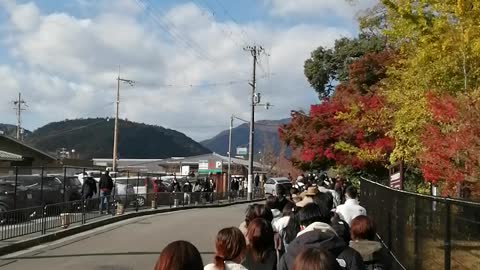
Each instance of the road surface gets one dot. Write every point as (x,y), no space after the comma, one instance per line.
(130,244)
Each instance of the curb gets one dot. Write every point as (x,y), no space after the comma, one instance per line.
(53,236)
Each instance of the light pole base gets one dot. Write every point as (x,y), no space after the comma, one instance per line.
(250,187)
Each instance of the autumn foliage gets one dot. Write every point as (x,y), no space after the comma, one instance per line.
(451,141)
(349,128)
(412,94)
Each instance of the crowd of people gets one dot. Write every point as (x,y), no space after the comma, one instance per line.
(317,229)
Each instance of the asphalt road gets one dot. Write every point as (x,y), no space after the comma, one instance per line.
(131,244)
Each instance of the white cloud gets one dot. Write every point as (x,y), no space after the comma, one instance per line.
(66,66)
(345,9)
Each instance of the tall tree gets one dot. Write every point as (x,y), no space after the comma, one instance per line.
(350,128)
(327,67)
(439,44)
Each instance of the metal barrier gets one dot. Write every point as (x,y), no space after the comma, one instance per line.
(46,218)
(424,232)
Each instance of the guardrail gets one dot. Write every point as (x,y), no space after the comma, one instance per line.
(424,232)
(42,219)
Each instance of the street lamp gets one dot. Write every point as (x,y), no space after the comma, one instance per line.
(229,176)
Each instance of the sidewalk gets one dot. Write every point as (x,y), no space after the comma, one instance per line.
(56,232)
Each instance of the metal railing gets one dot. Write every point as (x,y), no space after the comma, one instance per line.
(50,217)
(424,232)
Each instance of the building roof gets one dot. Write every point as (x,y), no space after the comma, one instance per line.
(10,156)
(194,160)
(28,146)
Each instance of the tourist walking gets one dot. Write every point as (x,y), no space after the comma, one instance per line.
(261,252)
(230,248)
(106,186)
(351,208)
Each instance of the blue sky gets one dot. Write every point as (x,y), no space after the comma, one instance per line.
(186,57)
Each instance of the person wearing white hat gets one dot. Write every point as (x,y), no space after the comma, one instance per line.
(308,196)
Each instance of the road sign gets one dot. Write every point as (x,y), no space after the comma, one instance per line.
(396,175)
(242,151)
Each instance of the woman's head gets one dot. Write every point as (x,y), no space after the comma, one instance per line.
(258,211)
(271,202)
(179,255)
(315,259)
(230,245)
(260,237)
(288,209)
(362,228)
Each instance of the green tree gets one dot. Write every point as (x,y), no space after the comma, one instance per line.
(326,67)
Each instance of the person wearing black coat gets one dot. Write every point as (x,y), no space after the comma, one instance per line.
(316,232)
(106,186)
(176,185)
(89,188)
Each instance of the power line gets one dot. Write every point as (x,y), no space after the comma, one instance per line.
(212,84)
(234,20)
(73,129)
(228,33)
(179,38)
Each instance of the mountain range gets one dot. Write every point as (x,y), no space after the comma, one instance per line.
(11,130)
(265,137)
(93,137)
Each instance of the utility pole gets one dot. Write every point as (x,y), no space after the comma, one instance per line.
(115,132)
(18,108)
(229,178)
(255,51)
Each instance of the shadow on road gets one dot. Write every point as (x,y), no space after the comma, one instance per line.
(137,253)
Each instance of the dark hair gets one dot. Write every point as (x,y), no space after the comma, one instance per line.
(294,190)
(229,245)
(288,209)
(325,199)
(179,255)
(315,259)
(292,228)
(311,213)
(260,238)
(351,192)
(281,190)
(257,211)
(362,228)
(271,202)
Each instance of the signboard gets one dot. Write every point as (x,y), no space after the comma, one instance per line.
(396,175)
(242,151)
(210,166)
(202,165)
(185,170)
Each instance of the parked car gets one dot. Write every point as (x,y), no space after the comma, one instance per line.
(73,187)
(124,190)
(272,183)
(144,187)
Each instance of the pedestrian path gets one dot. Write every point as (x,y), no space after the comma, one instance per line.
(131,244)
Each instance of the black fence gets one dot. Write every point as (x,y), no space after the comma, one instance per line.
(47,218)
(25,187)
(424,232)
(42,199)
